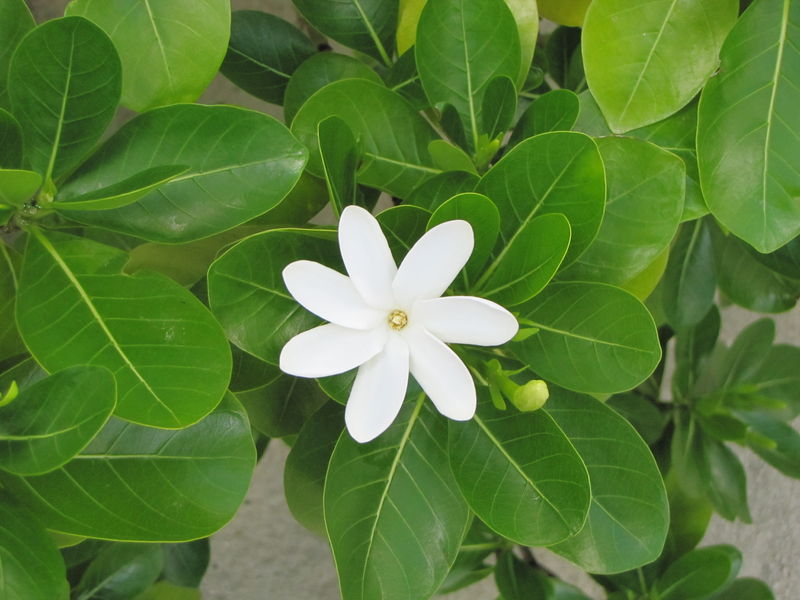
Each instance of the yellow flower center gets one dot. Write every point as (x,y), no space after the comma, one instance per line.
(398,319)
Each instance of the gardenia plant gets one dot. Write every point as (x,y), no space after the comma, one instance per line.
(568,201)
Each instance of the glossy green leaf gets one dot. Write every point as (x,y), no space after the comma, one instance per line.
(170,51)
(15,21)
(185,564)
(17,186)
(263,52)
(364,25)
(690,280)
(592,338)
(785,261)
(643,209)
(10,342)
(645,62)
(30,565)
(340,156)
(517,580)
(747,128)
(241,164)
(395,138)
(136,483)
(317,72)
(551,173)
(403,226)
(520,474)
(482,214)
(247,294)
(556,110)
(10,138)
(403,78)
(747,587)
(645,283)
(450,157)
(526,265)
(54,419)
(64,84)
(120,572)
(700,573)
(461,47)
(169,357)
(526,15)
(307,463)
(434,192)
(786,455)
(629,515)
(499,106)
(394,515)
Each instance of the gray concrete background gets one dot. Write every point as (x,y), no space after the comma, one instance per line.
(263,554)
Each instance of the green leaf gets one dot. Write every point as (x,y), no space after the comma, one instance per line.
(690,279)
(10,137)
(556,110)
(317,72)
(307,463)
(120,572)
(518,581)
(643,209)
(64,84)
(17,186)
(747,128)
(263,52)
(749,283)
(137,483)
(645,283)
(461,48)
(557,172)
(778,379)
(640,412)
(450,157)
(646,62)
(700,573)
(629,515)
(340,157)
(747,587)
(364,25)
(785,260)
(482,214)
(10,342)
(394,137)
(526,15)
(394,515)
(185,564)
(241,164)
(689,517)
(522,269)
(170,51)
(54,419)
(434,192)
(247,294)
(786,455)
(403,226)
(470,565)
(563,54)
(166,591)
(169,357)
(592,338)
(499,106)
(520,474)
(15,21)
(693,345)
(31,566)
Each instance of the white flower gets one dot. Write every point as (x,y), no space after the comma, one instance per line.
(388,321)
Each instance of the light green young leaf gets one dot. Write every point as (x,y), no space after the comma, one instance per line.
(135,483)
(645,62)
(170,51)
(747,128)
(64,84)
(18,186)
(168,355)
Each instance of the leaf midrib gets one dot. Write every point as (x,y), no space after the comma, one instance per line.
(61,116)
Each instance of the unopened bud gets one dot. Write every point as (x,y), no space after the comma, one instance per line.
(531,396)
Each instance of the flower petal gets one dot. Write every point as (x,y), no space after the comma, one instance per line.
(442,375)
(433,263)
(329,295)
(367,257)
(330,350)
(466,320)
(378,391)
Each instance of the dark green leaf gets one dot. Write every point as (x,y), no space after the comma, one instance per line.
(629,515)
(786,455)
(700,573)
(499,106)
(689,517)
(778,380)
(340,157)
(31,567)
(592,338)
(166,591)
(15,21)
(136,483)
(432,193)
(241,164)
(564,62)
(751,589)
(557,172)
(64,83)
(785,260)
(317,72)
(263,52)
(692,347)
(747,128)
(394,137)
(10,342)
(394,515)
(640,412)
(169,357)
(646,188)
(403,225)
(170,51)
(54,419)
(471,566)
(554,111)
(518,581)
(520,474)
(403,78)
(307,463)
(120,572)
(185,564)
(10,132)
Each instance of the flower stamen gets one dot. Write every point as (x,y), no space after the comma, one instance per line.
(398,320)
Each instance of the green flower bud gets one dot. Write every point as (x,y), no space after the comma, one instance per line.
(531,396)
